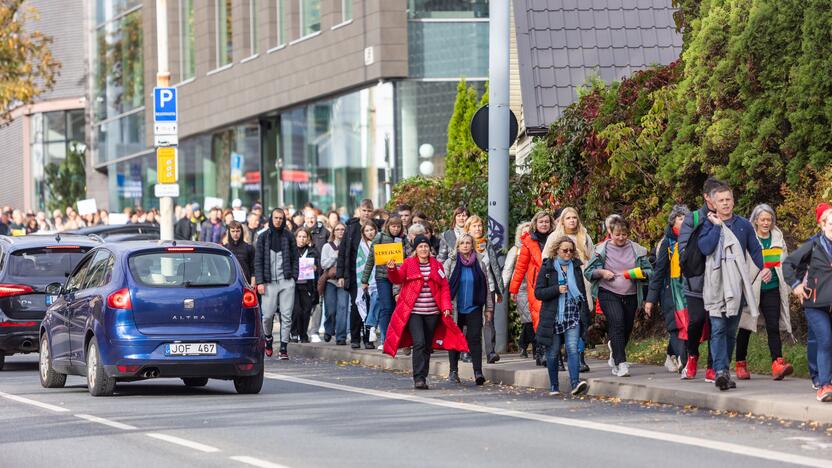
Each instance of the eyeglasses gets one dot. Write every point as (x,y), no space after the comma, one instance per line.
(567,250)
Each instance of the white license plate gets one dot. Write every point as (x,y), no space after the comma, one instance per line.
(191,349)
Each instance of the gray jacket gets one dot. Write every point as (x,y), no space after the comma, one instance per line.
(450,265)
(726,279)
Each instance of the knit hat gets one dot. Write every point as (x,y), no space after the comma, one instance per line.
(675,212)
(821,209)
(420,240)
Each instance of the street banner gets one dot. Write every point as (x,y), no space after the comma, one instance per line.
(307,269)
(386,252)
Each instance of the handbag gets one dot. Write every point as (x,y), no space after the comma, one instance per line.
(327,275)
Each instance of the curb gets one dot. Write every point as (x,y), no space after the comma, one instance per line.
(792,399)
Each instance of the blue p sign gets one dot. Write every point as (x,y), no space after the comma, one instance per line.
(164,104)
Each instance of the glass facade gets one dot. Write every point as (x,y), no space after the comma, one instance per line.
(332,153)
(252,26)
(448,49)
(281,22)
(310,16)
(53,136)
(225,32)
(131,182)
(118,80)
(187,39)
(447,8)
(346,10)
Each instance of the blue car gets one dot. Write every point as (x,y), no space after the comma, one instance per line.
(142,310)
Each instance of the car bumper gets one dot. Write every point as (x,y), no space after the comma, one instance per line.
(19,339)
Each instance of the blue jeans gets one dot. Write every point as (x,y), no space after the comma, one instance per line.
(723,338)
(337,308)
(812,355)
(820,323)
(372,311)
(573,358)
(385,306)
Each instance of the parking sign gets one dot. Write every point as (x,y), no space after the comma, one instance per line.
(166,165)
(164,104)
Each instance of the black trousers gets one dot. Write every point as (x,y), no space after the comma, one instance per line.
(770,308)
(526,335)
(697,316)
(421,328)
(356,324)
(473,332)
(621,315)
(302,311)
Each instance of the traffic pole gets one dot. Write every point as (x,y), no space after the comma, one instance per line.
(498,144)
(163,80)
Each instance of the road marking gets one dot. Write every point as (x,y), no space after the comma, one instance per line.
(735,449)
(19,399)
(106,422)
(183,442)
(256,462)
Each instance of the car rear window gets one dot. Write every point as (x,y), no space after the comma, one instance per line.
(44,262)
(182,269)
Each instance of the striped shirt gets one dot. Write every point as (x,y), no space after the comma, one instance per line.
(771,259)
(425,304)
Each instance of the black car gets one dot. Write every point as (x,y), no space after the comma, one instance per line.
(121,232)
(27,265)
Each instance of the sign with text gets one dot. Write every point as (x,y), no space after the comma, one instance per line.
(166,165)
(306,269)
(386,252)
(164,104)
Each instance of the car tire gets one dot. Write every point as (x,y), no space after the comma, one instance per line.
(98,383)
(49,377)
(250,384)
(195,381)
(2,360)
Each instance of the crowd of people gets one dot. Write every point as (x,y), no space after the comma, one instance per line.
(713,277)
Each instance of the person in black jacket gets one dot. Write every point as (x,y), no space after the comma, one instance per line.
(243,252)
(562,292)
(808,270)
(185,229)
(306,288)
(346,270)
(275,272)
(319,237)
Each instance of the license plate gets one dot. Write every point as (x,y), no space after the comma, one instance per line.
(191,349)
(50,299)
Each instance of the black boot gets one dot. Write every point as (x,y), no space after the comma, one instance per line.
(584,365)
(524,353)
(453,376)
(367,343)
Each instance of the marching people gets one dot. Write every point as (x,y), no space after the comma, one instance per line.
(618,270)
(562,292)
(771,296)
(526,337)
(447,240)
(276,271)
(213,229)
(472,290)
(337,299)
(808,271)
(666,287)
(392,232)
(243,251)
(320,236)
(811,340)
(367,297)
(422,318)
(306,291)
(727,286)
(529,261)
(405,212)
(475,227)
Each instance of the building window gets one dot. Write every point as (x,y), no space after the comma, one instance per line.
(447,49)
(186,39)
(310,17)
(224,32)
(252,26)
(346,10)
(281,22)
(447,9)
(55,135)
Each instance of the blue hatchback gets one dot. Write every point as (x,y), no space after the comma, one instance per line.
(141,310)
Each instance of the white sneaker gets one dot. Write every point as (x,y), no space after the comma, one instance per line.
(315,338)
(373,336)
(611,360)
(671,364)
(623,370)
(615,371)
(380,347)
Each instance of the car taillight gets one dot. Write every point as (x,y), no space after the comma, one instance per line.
(249,298)
(17,324)
(64,247)
(120,300)
(180,249)
(9,290)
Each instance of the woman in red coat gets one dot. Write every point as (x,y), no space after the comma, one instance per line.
(422,318)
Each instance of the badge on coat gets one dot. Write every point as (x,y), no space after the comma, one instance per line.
(442,273)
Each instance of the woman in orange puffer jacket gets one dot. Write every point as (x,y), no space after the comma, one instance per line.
(530,259)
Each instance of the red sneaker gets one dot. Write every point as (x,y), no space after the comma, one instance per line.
(269,348)
(710,375)
(742,370)
(780,368)
(689,373)
(825,393)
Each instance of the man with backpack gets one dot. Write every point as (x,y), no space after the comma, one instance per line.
(692,262)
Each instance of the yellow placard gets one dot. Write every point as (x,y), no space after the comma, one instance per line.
(166,165)
(386,252)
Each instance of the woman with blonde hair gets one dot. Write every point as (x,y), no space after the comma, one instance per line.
(475,227)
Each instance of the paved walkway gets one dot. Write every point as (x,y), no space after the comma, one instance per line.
(791,399)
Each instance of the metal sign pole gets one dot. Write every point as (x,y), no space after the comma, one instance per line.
(163,80)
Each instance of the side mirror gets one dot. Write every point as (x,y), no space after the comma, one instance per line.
(54,289)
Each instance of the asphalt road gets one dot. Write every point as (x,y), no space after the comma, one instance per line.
(314,414)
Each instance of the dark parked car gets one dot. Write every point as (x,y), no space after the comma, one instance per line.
(27,265)
(141,310)
(121,232)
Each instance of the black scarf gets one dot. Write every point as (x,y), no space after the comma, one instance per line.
(480,288)
(540,238)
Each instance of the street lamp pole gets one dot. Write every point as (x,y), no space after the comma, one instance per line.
(163,80)
(498,143)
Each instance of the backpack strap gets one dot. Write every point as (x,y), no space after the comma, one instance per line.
(696,218)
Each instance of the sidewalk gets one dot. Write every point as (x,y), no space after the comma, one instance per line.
(791,399)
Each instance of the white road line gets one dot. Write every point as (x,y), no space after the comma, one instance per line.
(19,399)
(106,422)
(256,462)
(183,442)
(735,449)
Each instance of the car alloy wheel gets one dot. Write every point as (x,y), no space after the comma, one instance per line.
(98,383)
(49,377)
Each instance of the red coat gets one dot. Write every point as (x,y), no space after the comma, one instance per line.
(529,261)
(447,335)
